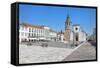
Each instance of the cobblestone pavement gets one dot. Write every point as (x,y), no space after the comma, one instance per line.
(53,44)
(37,54)
(87,51)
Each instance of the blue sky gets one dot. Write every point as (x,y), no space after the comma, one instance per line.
(55,17)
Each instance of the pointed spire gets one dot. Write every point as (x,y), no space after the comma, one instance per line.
(61,31)
(68,22)
(68,19)
(68,15)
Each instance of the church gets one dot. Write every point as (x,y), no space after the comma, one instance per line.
(72,33)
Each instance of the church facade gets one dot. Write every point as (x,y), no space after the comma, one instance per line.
(72,33)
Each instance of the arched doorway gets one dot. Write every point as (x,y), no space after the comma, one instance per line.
(77,37)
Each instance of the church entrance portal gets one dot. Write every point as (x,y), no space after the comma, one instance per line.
(77,38)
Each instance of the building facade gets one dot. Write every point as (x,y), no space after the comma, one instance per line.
(72,34)
(28,32)
(79,34)
(60,37)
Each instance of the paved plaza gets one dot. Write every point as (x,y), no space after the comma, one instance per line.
(87,51)
(56,51)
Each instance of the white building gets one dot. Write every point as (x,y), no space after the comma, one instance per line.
(74,33)
(78,33)
(23,32)
(60,37)
(28,32)
(53,35)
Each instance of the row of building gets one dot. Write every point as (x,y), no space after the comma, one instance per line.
(29,32)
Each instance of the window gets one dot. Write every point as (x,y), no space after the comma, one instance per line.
(29,34)
(32,35)
(32,29)
(25,34)
(29,29)
(76,28)
(35,30)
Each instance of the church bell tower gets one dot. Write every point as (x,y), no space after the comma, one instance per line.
(67,29)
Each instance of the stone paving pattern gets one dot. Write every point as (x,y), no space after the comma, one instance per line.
(87,51)
(38,54)
(56,51)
